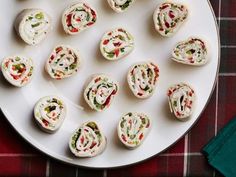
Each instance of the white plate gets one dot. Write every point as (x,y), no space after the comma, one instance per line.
(17,104)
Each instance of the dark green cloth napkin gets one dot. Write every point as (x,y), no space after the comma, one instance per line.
(221,150)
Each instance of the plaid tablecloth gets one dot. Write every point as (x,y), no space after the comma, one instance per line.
(18,158)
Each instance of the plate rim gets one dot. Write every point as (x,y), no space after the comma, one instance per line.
(144,160)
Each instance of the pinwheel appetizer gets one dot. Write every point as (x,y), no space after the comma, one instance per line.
(120,5)
(63,62)
(100,92)
(78,17)
(88,140)
(116,44)
(49,113)
(181,99)
(168,17)
(191,52)
(17,70)
(33,25)
(142,79)
(133,129)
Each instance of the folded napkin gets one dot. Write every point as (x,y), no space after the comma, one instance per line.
(221,150)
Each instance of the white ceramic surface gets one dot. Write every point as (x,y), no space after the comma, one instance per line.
(17,103)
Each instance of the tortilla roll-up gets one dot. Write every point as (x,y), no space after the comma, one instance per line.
(49,113)
(133,129)
(116,44)
(120,5)
(33,25)
(100,92)
(78,17)
(17,70)
(63,62)
(142,79)
(168,18)
(181,99)
(190,52)
(88,140)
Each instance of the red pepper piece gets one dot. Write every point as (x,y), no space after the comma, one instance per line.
(117,44)
(93,14)
(52,57)
(15,77)
(92,146)
(169,92)
(140,94)
(140,136)
(58,49)
(123,138)
(171,15)
(117,51)
(120,30)
(45,122)
(78,20)
(90,23)
(167,24)
(105,42)
(82,140)
(98,79)
(178,113)
(68,19)
(109,98)
(74,30)
(164,6)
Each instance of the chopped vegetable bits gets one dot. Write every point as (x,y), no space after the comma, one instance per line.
(116,44)
(142,79)
(88,140)
(33,25)
(17,70)
(168,18)
(63,62)
(193,52)
(133,129)
(78,17)
(181,99)
(49,113)
(100,92)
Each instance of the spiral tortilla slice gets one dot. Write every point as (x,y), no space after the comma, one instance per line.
(133,129)
(49,113)
(168,17)
(78,17)
(100,92)
(181,99)
(116,44)
(17,70)
(120,5)
(191,52)
(33,25)
(142,79)
(64,62)
(88,140)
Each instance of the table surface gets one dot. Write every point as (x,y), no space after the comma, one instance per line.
(18,158)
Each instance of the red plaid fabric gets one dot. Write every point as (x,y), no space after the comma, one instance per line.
(18,158)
